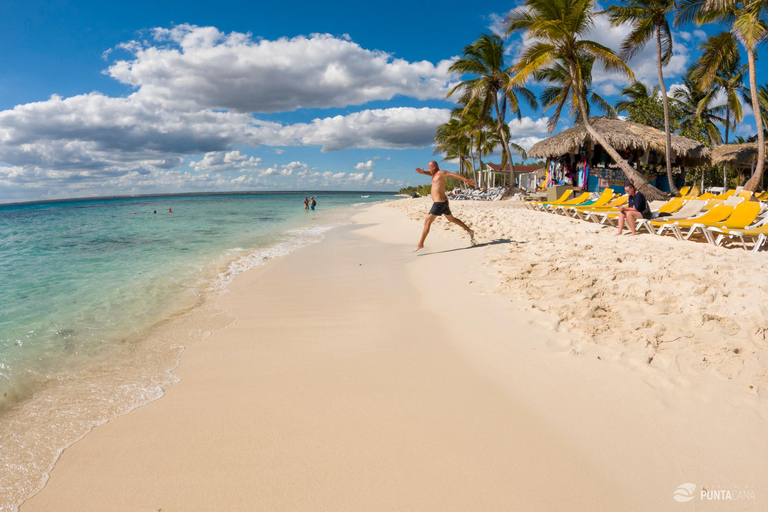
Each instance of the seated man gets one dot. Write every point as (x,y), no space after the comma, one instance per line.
(637,207)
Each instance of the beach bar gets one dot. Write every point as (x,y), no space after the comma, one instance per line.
(574,158)
(740,158)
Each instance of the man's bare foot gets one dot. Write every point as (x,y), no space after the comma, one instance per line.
(418,248)
(618,234)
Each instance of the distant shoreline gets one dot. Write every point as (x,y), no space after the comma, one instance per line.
(193,194)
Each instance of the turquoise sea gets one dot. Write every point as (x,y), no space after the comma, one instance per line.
(85,284)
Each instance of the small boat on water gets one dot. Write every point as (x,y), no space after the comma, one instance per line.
(365,196)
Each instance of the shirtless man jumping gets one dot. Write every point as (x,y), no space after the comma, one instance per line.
(440,205)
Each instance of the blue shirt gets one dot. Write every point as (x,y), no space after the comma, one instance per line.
(637,202)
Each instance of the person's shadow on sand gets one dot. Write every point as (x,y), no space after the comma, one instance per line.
(475,246)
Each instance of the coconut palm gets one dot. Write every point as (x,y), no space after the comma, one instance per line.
(558,94)
(491,87)
(648,19)
(482,134)
(762,100)
(635,92)
(556,30)
(645,107)
(745,19)
(698,114)
(720,65)
(451,138)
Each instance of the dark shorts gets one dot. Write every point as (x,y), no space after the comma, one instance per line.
(440,209)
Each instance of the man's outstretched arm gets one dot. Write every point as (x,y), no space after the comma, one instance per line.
(462,178)
(419,170)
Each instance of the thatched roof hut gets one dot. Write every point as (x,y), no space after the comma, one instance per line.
(622,135)
(736,156)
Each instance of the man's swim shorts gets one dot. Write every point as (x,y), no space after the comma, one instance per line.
(440,208)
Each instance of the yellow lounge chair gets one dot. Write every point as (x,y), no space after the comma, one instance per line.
(670,206)
(577,200)
(763,196)
(758,235)
(716,214)
(590,213)
(683,191)
(689,210)
(694,192)
(603,200)
(706,195)
(712,203)
(541,204)
(744,214)
(746,194)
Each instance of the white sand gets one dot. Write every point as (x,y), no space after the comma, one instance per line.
(360,376)
(685,306)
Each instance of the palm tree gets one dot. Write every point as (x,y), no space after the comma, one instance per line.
(698,115)
(559,93)
(635,92)
(556,29)
(482,134)
(451,139)
(649,19)
(762,100)
(491,87)
(720,65)
(745,19)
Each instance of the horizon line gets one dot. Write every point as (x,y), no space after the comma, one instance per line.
(173,194)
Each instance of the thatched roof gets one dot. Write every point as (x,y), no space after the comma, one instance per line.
(735,155)
(622,135)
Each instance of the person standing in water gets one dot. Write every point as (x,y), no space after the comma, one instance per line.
(440,201)
(312,203)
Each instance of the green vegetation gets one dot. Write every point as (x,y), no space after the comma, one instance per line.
(558,55)
(422,190)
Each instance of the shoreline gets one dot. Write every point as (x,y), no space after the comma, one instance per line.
(539,442)
(148,359)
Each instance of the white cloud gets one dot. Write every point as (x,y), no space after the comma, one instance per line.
(221,161)
(365,166)
(196,91)
(527,142)
(393,128)
(286,170)
(526,127)
(201,67)
(360,177)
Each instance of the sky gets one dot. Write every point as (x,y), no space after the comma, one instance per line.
(113,98)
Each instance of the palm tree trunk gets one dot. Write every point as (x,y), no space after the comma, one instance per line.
(472,156)
(727,121)
(757,176)
(665,101)
(480,159)
(649,191)
(500,127)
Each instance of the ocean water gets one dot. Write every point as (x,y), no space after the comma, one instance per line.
(86,288)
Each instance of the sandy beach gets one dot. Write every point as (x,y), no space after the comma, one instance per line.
(551,367)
